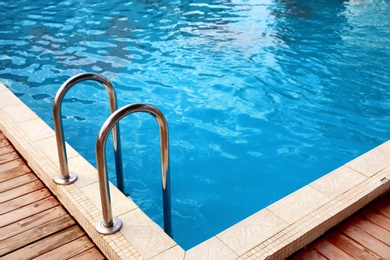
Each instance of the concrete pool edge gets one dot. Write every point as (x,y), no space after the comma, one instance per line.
(274,232)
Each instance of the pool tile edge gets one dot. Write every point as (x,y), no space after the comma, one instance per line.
(337,198)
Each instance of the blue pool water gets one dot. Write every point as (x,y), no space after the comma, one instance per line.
(261,97)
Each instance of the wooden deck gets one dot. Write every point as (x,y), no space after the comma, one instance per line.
(366,235)
(33,224)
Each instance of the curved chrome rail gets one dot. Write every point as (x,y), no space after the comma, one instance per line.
(108,224)
(65,177)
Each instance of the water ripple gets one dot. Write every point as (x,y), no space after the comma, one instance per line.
(250,90)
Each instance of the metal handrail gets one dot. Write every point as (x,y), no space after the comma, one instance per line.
(65,177)
(108,224)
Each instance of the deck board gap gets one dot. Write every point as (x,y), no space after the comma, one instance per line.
(24,200)
(33,224)
(14,172)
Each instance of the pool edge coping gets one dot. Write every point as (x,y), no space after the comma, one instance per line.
(273,233)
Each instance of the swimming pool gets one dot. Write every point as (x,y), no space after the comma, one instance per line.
(261,98)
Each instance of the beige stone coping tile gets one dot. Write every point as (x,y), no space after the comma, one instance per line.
(338,182)
(371,162)
(124,249)
(357,196)
(119,247)
(298,204)
(386,172)
(212,248)
(86,173)
(385,147)
(49,147)
(174,253)
(80,204)
(119,203)
(3,88)
(20,112)
(7,98)
(381,177)
(47,166)
(36,129)
(145,235)
(252,231)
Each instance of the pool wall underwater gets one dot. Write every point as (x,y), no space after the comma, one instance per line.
(273,233)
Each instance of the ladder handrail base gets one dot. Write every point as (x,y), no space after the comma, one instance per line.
(60,180)
(117,224)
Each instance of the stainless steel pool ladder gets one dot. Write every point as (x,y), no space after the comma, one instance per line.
(108,224)
(66,177)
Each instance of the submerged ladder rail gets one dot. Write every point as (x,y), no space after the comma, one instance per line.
(108,224)
(66,177)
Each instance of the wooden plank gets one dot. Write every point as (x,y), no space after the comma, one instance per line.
(371,228)
(382,204)
(6,149)
(91,254)
(18,181)
(24,200)
(68,250)
(384,207)
(366,240)
(31,222)
(4,142)
(28,210)
(12,164)
(328,250)
(21,190)
(34,234)
(47,244)
(14,172)
(378,218)
(8,157)
(294,257)
(308,253)
(350,246)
